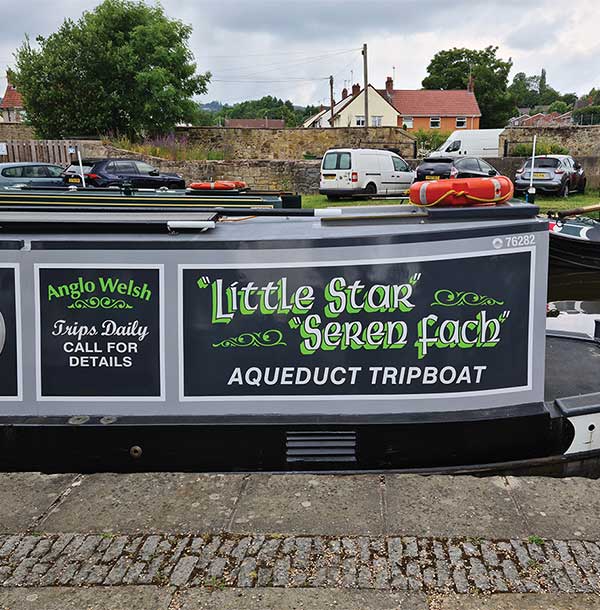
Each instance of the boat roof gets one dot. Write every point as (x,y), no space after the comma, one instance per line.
(242,229)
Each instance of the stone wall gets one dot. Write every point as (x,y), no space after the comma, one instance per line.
(580,140)
(301,176)
(236,143)
(16,131)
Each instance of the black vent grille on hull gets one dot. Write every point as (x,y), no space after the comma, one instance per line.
(322,446)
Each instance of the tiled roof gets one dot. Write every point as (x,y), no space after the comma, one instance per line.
(434,102)
(339,106)
(12,98)
(256,123)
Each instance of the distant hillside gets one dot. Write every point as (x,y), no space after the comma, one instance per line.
(268,107)
(211,106)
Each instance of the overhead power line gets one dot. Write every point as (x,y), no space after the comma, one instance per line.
(279,64)
(273,54)
(278,80)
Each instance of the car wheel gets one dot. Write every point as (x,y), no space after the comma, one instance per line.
(581,187)
(371,189)
(565,190)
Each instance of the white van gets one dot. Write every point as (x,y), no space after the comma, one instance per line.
(346,172)
(470,142)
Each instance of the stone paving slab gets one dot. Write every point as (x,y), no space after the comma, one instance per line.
(450,506)
(404,564)
(25,497)
(161,502)
(312,504)
(61,598)
(295,599)
(559,508)
(516,601)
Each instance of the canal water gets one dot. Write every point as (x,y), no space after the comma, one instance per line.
(573,300)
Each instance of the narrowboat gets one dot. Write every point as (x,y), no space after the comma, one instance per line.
(248,338)
(575,242)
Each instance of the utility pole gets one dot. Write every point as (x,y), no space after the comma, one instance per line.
(366,79)
(331,98)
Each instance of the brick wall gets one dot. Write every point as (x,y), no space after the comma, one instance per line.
(294,143)
(580,140)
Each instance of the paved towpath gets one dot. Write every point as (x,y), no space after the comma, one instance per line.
(175,541)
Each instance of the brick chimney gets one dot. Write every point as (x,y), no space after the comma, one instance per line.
(355,90)
(344,93)
(471,84)
(389,86)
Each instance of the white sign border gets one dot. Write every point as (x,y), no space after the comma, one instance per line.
(38,336)
(381,261)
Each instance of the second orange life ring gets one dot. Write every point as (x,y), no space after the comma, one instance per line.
(469,191)
(218,185)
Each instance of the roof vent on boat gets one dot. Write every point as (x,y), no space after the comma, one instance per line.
(321,446)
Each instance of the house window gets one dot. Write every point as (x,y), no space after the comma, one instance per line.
(407,122)
(376,121)
(461,122)
(360,120)
(434,122)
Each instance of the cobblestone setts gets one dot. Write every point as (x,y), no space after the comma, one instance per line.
(405,564)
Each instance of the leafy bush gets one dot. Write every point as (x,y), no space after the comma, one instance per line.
(542,147)
(588,115)
(174,148)
(429,140)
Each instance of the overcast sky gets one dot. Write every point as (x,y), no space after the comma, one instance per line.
(288,48)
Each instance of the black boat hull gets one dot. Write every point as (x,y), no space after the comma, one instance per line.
(575,244)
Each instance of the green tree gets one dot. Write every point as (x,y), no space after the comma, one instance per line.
(569,99)
(525,90)
(268,107)
(450,70)
(124,67)
(558,106)
(534,91)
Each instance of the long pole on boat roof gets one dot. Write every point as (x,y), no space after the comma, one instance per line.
(80,167)
(331,102)
(531,190)
(366,84)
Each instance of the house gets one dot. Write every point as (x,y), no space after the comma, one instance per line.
(256,123)
(11,106)
(446,110)
(541,119)
(350,111)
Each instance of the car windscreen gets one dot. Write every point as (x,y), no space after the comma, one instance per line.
(543,162)
(75,169)
(435,162)
(337,160)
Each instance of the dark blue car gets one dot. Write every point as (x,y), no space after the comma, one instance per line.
(114,172)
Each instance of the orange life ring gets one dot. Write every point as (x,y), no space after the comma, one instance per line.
(469,191)
(219,185)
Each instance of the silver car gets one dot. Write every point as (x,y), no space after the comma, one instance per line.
(31,174)
(556,174)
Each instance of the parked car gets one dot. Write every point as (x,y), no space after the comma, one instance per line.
(114,172)
(435,168)
(348,172)
(470,142)
(559,174)
(31,174)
